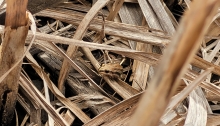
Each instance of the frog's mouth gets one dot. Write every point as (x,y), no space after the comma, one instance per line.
(110,72)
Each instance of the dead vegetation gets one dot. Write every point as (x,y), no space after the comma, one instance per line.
(111,62)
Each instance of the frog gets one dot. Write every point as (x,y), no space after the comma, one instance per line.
(111,70)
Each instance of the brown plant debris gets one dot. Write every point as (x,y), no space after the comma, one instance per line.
(110,62)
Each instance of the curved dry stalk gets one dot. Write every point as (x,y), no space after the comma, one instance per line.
(35,93)
(72,106)
(78,35)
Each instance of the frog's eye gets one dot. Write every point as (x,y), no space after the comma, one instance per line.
(107,71)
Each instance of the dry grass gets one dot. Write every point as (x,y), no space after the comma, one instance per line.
(122,62)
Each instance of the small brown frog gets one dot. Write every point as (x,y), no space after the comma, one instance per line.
(111,70)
